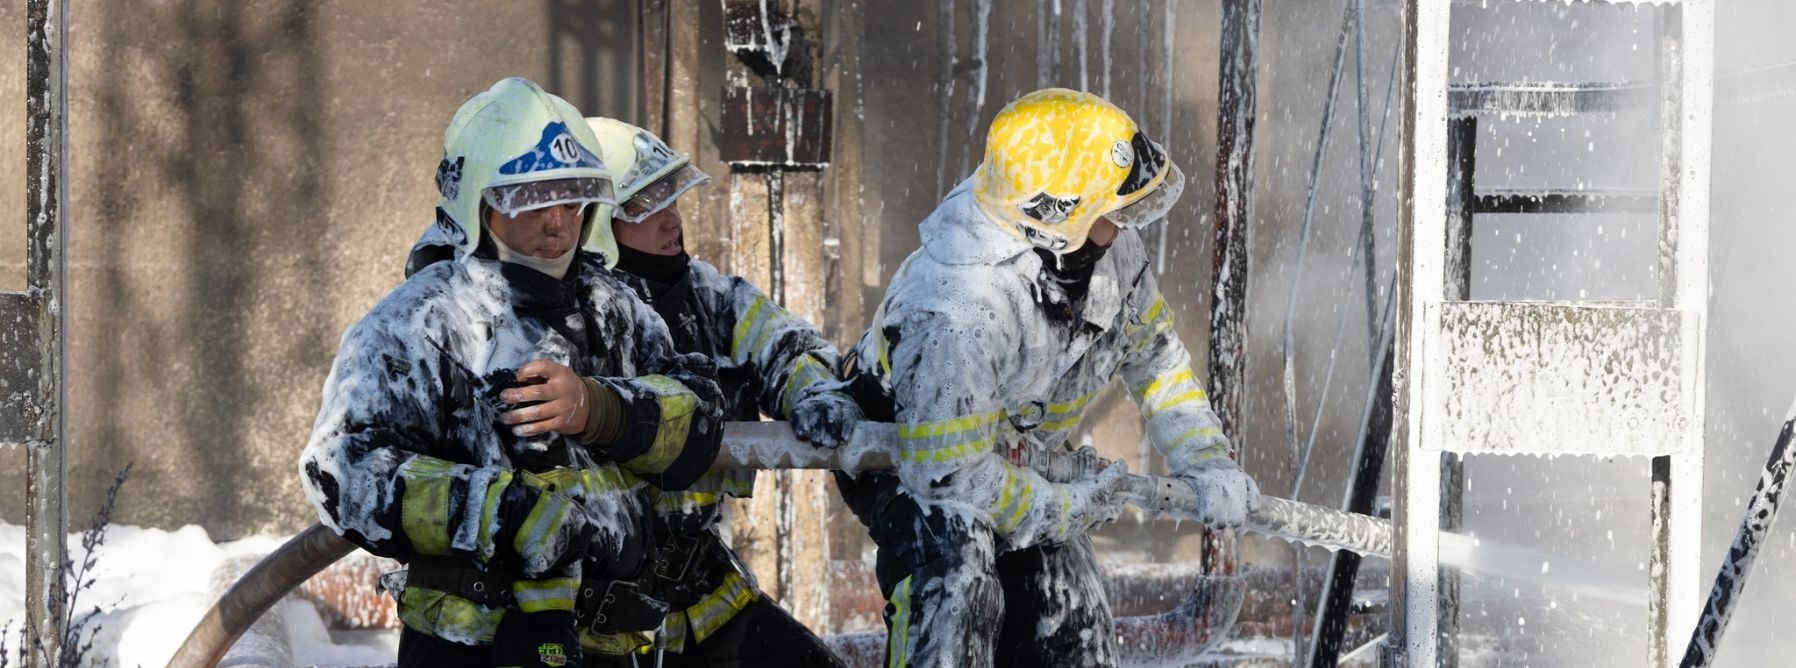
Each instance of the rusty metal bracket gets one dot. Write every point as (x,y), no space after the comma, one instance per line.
(19,403)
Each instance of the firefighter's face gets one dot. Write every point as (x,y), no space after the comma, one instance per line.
(549,232)
(658,234)
(1102,232)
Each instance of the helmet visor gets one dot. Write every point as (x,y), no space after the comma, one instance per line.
(514,199)
(656,196)
(1155,205)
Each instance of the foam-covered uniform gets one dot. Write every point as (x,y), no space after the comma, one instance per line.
(988,346)
(408,460)
(767,358)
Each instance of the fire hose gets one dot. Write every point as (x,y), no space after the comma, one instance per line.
(771,445)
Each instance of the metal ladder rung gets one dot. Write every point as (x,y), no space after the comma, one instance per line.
(1549,98)
(1547,200)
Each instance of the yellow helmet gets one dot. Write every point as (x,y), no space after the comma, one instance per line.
(1057,159)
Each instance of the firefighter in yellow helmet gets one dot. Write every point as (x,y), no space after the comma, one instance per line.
(493,421)
(1032,291)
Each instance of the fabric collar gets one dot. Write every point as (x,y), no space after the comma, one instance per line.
(657,268)
(555,267)
(958,232)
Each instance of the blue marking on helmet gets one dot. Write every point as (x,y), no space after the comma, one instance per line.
(556,150)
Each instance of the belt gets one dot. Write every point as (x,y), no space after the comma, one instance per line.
(458,577)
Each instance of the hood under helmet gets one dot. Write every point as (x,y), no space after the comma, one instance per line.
(516,147)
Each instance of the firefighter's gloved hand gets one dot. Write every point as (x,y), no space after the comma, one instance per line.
(1225,494)
(698,372)
(826,419)
(546,529)
(1092,502)
(543,639)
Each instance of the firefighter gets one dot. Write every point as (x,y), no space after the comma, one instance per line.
(1031,292)
(767,359)
(493,420)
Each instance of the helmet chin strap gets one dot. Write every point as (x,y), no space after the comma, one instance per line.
(555,267)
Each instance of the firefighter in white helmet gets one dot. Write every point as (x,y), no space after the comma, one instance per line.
(492,422)
(767,358)
(1031,292)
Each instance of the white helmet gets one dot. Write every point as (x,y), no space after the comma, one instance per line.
(516,148)
(648,175)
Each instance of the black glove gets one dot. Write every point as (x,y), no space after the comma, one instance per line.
(557,543)
(548,639)
(825,418)
(698,372)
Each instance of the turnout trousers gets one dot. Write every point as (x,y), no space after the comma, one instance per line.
(955,597)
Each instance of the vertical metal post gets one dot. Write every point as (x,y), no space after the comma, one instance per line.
(1420,284)
(1235,109)
(1462,158)
(46,231)
(1686,76)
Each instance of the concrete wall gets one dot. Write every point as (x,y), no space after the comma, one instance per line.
(245,179)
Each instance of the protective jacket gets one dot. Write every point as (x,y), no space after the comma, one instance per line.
(407,458)
(987,359)
(766,358)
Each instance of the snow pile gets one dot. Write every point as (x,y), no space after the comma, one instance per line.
(152,586)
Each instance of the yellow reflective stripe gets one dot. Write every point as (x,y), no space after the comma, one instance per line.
(1016,502)
(948,426)
(806,371)
(674,632)
(453,618)
(745,325)
(1066,414)
(898,640)
(1204,436)
(948,453)
(946,440)
(1154,310)
(558,479)
(755,329)
(677,405)
(545,595)
(1154,320)
(489,511)
(1165,380)
(739,483)
(1192,394)
(675,501)
(606,478)
(545,516)
(613,644)
(424,512)
(719,606)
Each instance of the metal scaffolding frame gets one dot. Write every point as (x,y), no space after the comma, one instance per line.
(1436,322)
